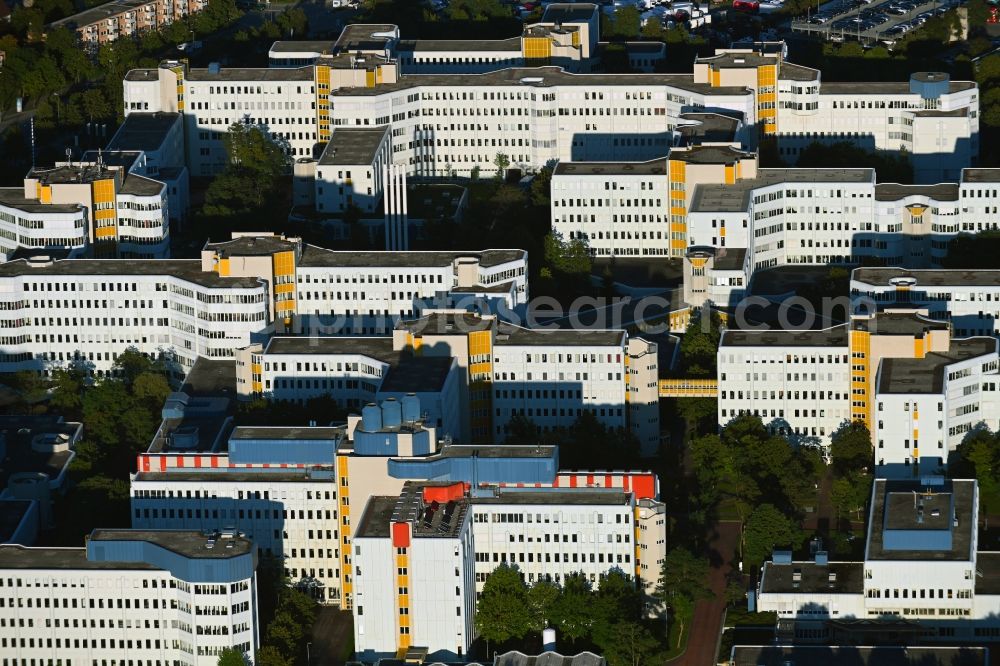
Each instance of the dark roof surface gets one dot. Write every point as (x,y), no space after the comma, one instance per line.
(821,655)
(895,191)
(812,577)
(143,131)
(186,269)
(353,145)
(656,167)
(926,375)
(828,337)
(895,497)
(313,256)
(928,278)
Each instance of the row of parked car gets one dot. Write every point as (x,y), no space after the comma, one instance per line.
(881,14)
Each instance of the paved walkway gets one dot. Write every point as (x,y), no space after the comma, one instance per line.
(705,626)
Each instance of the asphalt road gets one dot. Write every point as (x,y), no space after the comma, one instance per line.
(706,625)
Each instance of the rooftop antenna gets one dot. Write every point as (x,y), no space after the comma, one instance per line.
(100,160)
(32,142)
(69,156)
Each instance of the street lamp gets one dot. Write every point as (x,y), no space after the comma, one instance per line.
(308,654)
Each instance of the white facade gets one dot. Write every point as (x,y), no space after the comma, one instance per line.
(797,382)
(969,301)
(157,596)
(921,564)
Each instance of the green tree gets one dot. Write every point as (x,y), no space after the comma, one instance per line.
(269,655)
(231,657)
(634,645)
(572,613)
(502,611)
(700,344)
(501,162)
(542,597)
(849,493)
(766,528)
(541,185)
(851,448)
(683,574)
(570,258)
(627,22)
(95,106)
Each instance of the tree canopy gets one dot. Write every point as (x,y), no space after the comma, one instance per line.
(767,528)
(231,657)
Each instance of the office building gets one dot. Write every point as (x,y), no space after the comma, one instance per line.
(922,567)
(497,371)
(917,387)
(157,596)
(430,548)
(91,208)
(93,309)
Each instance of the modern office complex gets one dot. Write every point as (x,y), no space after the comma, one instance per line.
(93,309)
(152,596)
(92,208)
(919,373)
(473,374)
(923,572)
(317,496)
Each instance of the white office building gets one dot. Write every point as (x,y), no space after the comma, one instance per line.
(922,565)
(157,597)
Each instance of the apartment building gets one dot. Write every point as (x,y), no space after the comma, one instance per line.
(157,596)
(125,18)
(922,566)
(429,549)
(90,208)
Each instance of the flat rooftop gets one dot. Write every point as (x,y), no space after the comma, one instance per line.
(656,167)
(492,451)
(809,577)
(568,12)
(831,655)
(211,378)
(988,572)
(243,475)
(883,277)
(13,197)
(926,375)
(895,191)
(12,513)
(143,131)
(788,71)
(511,44)
(981,175)
(365,36)
(317,257)
(828,337)
(286,433)
(547,497)
(708,155)
(515,336)
(899,323)
(375,518)
(99,13)
(18,456)
(379,348)
(883,87)
(302,46)
(141,186)
(736,197)
(186,543)
(252,246)
(353,145)
(304,74)
(708,127)
(72,175)
(542,77)
(896,533)
(185,269)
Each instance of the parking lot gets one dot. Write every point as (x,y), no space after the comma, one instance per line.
(869,21)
